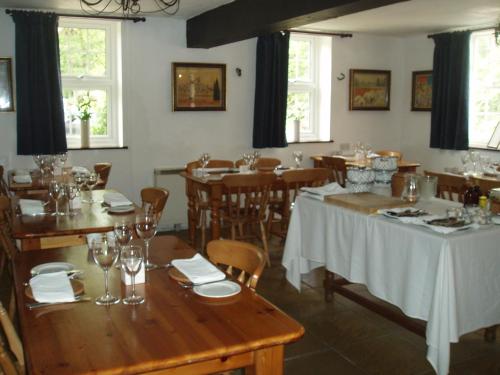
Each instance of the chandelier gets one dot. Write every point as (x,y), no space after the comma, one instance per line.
(129,7)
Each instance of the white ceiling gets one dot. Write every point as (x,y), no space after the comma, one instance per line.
(410,17)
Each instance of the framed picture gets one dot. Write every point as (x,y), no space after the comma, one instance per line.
(369,90)
(198,87)
(421,91)
(6,90)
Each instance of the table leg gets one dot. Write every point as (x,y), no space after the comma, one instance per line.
(268,361)
(329,284)
(490,334)
(191,214)
(215,200)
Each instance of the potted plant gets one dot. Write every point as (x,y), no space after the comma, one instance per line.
(84,104)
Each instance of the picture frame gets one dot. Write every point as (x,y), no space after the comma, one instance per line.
(369,90)
(421,90)
(6,86)
(198,87)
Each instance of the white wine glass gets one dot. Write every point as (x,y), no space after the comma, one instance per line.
(145,227)
(91,181)
(123,234)
(297,156)
(105,255)
(131,259)
(204,159)
(79,179)
(55,192)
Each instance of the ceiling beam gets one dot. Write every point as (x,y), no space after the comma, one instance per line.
(244,19)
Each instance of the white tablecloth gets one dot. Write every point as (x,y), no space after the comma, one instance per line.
(451,281)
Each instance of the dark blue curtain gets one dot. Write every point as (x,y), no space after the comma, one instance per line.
(40,113)
(271,88)
(450,91)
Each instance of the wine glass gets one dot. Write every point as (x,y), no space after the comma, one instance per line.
(71,192)
(297,156)
(204,159)
(105,255)
(55,192)
(91,181)
(79,179)
(123,234)
(145,226)
(132,259)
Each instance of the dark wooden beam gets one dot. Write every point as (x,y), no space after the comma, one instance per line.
(244,19)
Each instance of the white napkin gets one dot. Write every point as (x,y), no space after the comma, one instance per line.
(198,270)
(52,287)
(116,199)
(93,236)
(22,179)
(81,170)
(321,192)
(31,207)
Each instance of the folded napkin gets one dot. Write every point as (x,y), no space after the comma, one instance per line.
(52,287)
(198,270)
(322,191)
(31,207)
(116,199)
(22,179)
(81,170)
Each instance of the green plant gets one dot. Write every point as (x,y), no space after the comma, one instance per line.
(84,104)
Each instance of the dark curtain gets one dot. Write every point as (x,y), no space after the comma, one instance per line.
(40,113)
(450,91)
(271,85)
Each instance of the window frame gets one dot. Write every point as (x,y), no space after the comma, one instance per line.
(111,82)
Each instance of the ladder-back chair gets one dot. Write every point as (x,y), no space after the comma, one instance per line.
(338,168)
(154,200)
(449,186)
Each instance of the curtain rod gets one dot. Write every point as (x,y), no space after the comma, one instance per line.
(135,19)
(342,35)
(481,29)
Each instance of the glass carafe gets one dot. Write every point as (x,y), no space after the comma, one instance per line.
(411,191)
(428,187)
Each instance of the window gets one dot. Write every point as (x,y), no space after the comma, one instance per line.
(484,91)
(90,62)
(309,88)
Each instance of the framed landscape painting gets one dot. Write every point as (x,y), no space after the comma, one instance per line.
(6,87)
(369,90)
(198,87)
(421,92)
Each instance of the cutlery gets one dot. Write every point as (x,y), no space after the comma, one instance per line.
(189,284)
(35,305)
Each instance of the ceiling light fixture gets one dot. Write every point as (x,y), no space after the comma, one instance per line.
(129,7)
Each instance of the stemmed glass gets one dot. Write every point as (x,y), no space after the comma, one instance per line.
(91,181)
(71,191)
(204,159)
(132,259)
(105,256)
(79,179)
(123,234)
(297,156)
(145,226)
(55,192)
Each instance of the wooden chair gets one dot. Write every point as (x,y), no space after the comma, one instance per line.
(397,184)
(338,168)
(154,200)
(102,170)
(240,259)
(450,186)
(4,188)
(262,164)
(8,365)
(245,202)
(293,180)
(211,164)
(7,249)
(388,153)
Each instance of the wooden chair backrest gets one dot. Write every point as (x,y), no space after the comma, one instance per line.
(211,164)
(14,344)
(246,196)
(103,170)
(240,259)
(154,200)
(294,179)
(4,189)
(387,153)
(449,186)
(337,167)
(397,184)
(267,163)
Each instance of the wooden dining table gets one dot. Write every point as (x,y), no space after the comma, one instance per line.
(174,331)
(47,231)
(38,183)
(404,166)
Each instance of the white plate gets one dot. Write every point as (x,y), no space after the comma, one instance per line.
(120,209)
(52,267)
(386,213)
(221,289)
